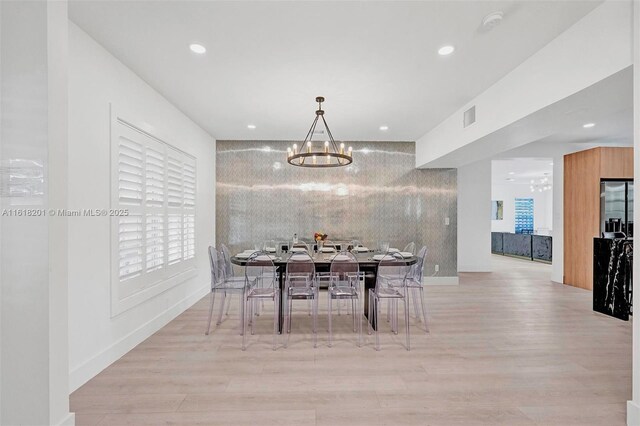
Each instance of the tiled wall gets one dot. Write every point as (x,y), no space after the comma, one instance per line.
(381,196)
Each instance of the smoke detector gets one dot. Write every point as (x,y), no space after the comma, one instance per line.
(492,20)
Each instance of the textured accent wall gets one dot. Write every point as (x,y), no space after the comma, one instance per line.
(381,196)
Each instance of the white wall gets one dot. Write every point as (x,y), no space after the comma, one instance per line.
(542,206)
(33,274)
(596,47)
(97,79)
(474,217)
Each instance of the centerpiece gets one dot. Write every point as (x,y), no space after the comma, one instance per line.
(319,237)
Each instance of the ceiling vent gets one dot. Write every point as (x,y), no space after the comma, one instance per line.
(469,117)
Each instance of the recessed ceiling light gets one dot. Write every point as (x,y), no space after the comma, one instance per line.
(384,128)
(589,125)
(551,164)
(197,48)
(512,173)
(511,179)
(251,126)
(446,50)
(492,20)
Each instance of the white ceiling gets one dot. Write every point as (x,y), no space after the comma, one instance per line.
(376,63)
(519,171)
(558,127)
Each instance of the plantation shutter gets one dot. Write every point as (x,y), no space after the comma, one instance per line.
(189,214)
(156,184)
(130,190)
(154,202)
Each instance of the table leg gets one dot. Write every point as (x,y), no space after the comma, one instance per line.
(369,283)
(282,306)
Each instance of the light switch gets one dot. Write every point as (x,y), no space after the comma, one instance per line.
(446,221)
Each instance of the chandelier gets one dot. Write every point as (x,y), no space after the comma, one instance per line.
(327,155)
(540,185)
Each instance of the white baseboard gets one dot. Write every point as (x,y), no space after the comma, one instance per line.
(90,368)
(474,268)
(441,281)
(633,413)
(69,420)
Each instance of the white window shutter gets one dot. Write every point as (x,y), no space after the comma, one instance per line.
(156,183)
(130,172)
(130,190)
(174,180)
(189,173)
(130,246)
(189,219)
(174,236)
(154,239)
(189,235)
(153,244)
(154,178)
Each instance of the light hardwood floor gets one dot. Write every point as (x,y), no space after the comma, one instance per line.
(507,347)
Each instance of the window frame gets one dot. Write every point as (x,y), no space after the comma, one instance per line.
(133,291)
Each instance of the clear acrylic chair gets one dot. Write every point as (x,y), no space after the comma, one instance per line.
(228,266)
(382,247)
(270,246)
(220,283)
(345,279)
(260,274)
(391,285)
(410,248)
(415,289)
(357,247)
(300,284)
(229,275)
(299,247)
(329,246)
(415,286)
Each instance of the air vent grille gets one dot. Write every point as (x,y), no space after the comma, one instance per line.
(469,116)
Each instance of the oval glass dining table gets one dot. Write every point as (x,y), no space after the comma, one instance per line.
(322,261)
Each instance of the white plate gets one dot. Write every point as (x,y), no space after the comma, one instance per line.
(328,250)
(299,257)
(339,257)
(264,257)
(406,254)
(270,249)
(393,250)
(244,255)
(297,250)
(381,256)
(361,249)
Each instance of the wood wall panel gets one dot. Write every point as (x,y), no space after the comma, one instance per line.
(582,173)
(616,163)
